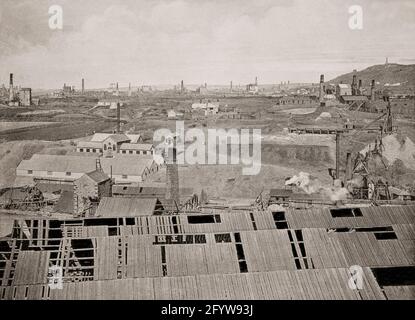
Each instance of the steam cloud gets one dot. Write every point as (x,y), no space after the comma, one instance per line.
(312,185)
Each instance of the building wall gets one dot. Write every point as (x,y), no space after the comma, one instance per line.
(51,176)
(87,193)
(74,176)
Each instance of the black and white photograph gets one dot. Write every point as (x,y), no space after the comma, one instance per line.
(207,150)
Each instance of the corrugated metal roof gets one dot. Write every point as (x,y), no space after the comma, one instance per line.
(126,207)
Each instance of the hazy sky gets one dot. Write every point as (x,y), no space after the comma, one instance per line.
(163,41)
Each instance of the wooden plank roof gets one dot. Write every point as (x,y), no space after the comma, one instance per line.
(326,284)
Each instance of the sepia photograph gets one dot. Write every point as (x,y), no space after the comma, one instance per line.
(214,151)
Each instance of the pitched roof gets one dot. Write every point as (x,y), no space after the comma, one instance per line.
(355,98)
(121,164)
(89,144)
(100,137)
(118,137)
(280,192)
(98,176)
(136,146)
(126,207)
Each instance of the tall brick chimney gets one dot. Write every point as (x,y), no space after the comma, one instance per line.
(321,92)
(118,117)
(354,84)
(11,88)
(83,85)
(359,90)
(372,91)
(172,178)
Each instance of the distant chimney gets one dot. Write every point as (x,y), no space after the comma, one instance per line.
(11,88)
(321,93)
(256,81)
(359,90)
(181,87)
(118,117)
(83,86)
(372,91)
(205,85)
(231,85)
(129,89)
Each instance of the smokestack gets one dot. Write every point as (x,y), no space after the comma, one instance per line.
(205,85)
(360,87)
(372,91)
(129,89)
(231,85)
(321,93)
(118,117)
(354,85)
(349,168)
(83,86)
(256,81)
(11,88)
(337,155)
(181,87)
(172,178)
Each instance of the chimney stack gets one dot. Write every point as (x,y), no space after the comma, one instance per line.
(354,85)
(118,117)
(11,88)
(321,92)
(256,81)
(181,87)
(231,85)
(372,91)
(360,87)
(349,169)
(172,178)
(83,86)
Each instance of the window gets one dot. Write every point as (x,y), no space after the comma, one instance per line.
(124,176)
(68,173)
(346,212)
(105,147)
(136,152)
(50,173)
(87,149)
(131,151)
(124,151)
(29,171)
(81,150)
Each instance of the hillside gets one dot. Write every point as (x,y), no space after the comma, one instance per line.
(398,76)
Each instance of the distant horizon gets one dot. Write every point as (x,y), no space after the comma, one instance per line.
(123,87)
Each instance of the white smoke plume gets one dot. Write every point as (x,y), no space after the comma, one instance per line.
(312,185)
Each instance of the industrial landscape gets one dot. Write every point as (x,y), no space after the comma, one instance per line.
(92,206)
